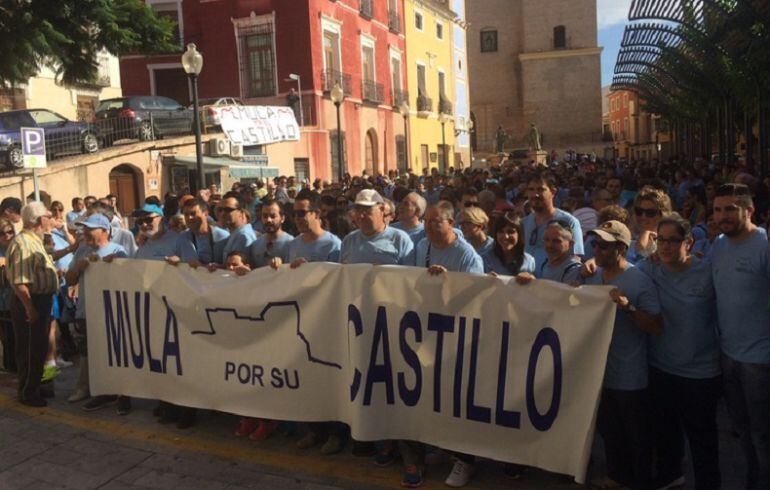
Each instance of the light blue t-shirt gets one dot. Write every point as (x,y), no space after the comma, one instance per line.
(60,243)
(533,235)
(83,252)
(240,240)
(125,239)
(203,243)
(689,344)
(389,247)
(742,282)
(167,245)
(627,358)
(567,272)
(457,257)
(485,247)
(325,249)
(493,263)
(416,234)
(262,250)
(73,216)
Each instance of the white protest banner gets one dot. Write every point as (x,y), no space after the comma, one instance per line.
(469,363)
(258,125)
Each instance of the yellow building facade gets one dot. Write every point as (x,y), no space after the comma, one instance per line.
(431,82)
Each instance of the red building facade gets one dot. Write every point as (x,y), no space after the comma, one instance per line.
(250,49)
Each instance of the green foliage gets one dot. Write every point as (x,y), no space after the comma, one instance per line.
(67,36)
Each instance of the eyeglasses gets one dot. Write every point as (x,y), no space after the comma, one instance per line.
(471,204)
(144,221)
(669,241)
(648,213)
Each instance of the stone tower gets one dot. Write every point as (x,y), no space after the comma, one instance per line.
(535,61)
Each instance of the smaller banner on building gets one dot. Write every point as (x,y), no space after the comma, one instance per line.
(468,363)
(258,125)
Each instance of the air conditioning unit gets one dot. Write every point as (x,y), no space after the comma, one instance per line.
(219,147)
(236,151)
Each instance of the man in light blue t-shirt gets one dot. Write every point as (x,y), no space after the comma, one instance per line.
(741,269)
(203,234)
(313,244)
(623,418)
(541,190)
(157,242)
(242,234)
(374,242)
(410,212)
(273,242)
(442,249)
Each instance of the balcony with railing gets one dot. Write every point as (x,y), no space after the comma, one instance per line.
(444,106)
(394,22)
(399,97)
(330,78)
(372,91)
(366,9)
(424,105)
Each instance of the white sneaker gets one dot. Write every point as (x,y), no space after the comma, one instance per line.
(461,474)
(677,482)
(62,363)
(79,394)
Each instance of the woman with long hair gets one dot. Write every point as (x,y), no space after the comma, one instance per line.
(650,206)
(507,256)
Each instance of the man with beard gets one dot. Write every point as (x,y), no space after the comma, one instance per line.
(159,243)
(541,189)
(274,241)
(202,233)
(623,419)
(741,271)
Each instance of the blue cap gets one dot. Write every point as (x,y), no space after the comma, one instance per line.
(96,220)
(148,209)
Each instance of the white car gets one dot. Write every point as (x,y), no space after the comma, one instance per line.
(210,116)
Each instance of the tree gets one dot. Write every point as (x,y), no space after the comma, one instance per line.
(67,36)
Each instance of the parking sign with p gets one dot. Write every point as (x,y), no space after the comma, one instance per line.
(33,147)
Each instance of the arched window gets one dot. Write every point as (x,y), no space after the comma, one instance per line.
(559,37)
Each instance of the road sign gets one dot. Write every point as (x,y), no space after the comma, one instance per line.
(33,147)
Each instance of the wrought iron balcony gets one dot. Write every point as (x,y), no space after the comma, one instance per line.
(394,22)
(330,78)
(444,106)
(373,91)
(424,104)
(399,97)
(365,8)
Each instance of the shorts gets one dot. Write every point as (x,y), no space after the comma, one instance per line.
(55,310)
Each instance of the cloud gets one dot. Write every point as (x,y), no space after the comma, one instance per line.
(612,12)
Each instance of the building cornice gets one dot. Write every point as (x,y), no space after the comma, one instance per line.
(561,53)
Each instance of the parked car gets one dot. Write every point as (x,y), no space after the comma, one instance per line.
(62,136)
(143,117)
(209,114)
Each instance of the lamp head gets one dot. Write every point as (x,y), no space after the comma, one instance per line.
(293,76)
(337,94)
(192,60)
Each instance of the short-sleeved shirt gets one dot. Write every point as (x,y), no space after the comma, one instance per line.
(459,256)
(389,247)
(239,241)
(493,263)
(73,216)
(485,247)
(167,245)
(205,245)
(82,253)
(742,281)
(263,250)
(125,239)
(416,234)
(533,235)
(627,358)
(324,249)
(567,272)
(29,263)
(689,343)
(60,243)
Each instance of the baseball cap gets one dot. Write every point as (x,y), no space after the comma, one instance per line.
(613,231)
(368,197)
(148,209)
(96,220)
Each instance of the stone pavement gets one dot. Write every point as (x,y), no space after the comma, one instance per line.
(63,447)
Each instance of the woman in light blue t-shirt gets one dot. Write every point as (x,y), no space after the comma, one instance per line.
(507,256)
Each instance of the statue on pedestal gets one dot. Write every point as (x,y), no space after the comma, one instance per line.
(533,139)
(500,137)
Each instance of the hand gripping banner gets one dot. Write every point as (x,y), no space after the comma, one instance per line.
(470,363)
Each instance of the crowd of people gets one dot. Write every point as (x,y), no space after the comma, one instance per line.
(683,243)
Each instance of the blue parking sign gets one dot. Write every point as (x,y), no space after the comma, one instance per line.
(33,147)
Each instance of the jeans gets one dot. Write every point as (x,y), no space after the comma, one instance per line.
(624,424)
(747,391)
(686,406)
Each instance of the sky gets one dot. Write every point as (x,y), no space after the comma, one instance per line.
(612,16)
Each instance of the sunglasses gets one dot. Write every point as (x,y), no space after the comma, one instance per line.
(470,204)
(648,213)
(144,221)
(670,241)
(301,213)
(602,245)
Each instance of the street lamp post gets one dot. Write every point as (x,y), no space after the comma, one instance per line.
(443,118)
(338,96)
(192,62)
(298,79)
(404,109)
(470,140)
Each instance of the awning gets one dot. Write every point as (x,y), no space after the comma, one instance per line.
(238,170)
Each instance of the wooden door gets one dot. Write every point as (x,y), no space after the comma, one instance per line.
(123,185)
